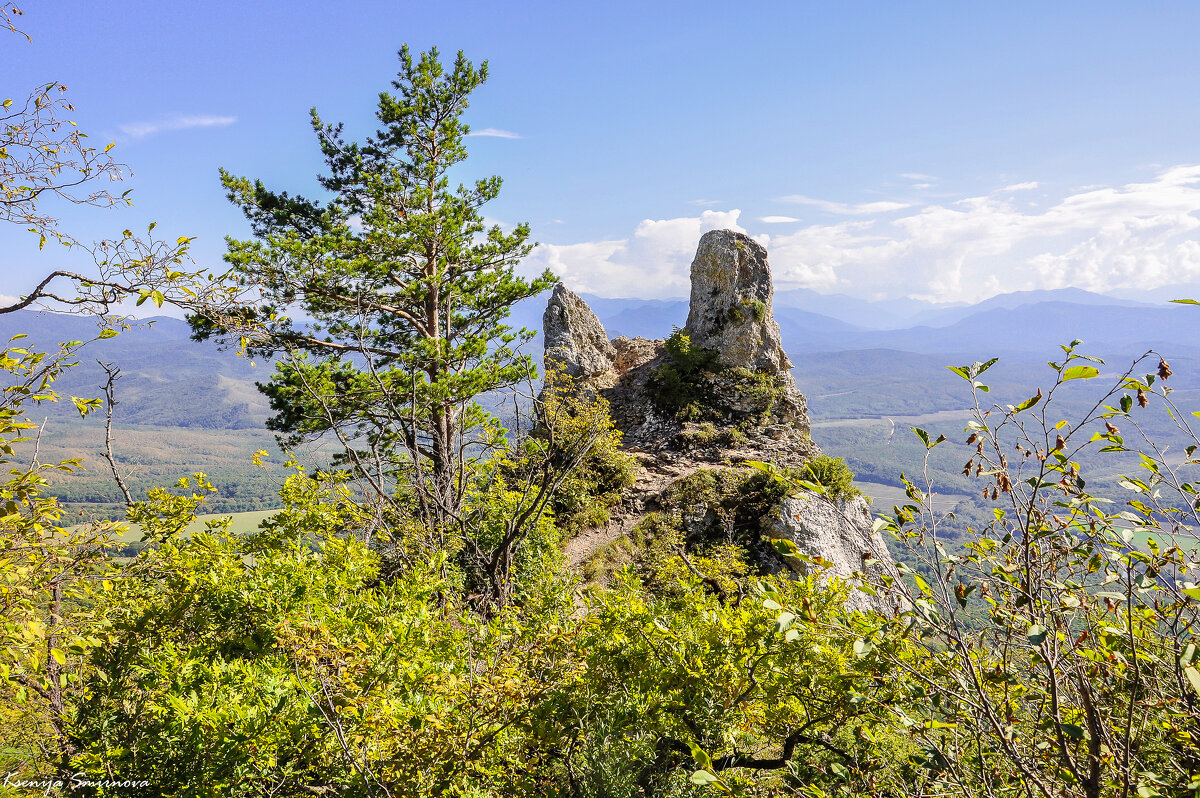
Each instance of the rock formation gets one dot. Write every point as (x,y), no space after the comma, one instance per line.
(576,343)
(730,309)
(734,400)
(840,532)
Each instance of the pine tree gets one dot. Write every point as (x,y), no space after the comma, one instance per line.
(406,288)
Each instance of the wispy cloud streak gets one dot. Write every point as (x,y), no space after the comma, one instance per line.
(844,209)
(141,130)
(494,133)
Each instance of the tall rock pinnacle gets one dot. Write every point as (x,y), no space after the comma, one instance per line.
(731,303)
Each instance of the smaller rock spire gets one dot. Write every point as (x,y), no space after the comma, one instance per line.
(575,340)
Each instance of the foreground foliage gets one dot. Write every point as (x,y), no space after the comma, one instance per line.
(1062,641)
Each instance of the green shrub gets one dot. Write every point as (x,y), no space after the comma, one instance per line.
(748,308)
(675,383)
(708,434)
(693,387)
(831,473)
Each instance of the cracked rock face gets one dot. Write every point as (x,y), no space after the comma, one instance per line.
(840,532)
(576,342)
(731,303)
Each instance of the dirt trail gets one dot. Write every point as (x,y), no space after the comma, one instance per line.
(653,477)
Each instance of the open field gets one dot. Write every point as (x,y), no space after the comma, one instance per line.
(884,496)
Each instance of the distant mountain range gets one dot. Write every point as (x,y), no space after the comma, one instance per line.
(166,378)
(1033,322)
(170,380)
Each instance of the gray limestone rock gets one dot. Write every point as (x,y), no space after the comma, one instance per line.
(731,303)
(840,532)
(575,340)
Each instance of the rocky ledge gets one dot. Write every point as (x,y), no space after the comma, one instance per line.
(714,395)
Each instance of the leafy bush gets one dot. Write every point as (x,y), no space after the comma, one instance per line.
(693,387)
(1060,646)
(593,486)
(676,382)
(831,473)
(748,308)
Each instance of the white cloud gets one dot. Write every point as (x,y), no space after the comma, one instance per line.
(917,176)
(778,219)
(6,300)
(1139,235)
(704,202)
(495,133)
(843,209)
(1022,186)
(653,262)
(141,130)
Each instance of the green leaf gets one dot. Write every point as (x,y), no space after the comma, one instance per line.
(703,778)
(1193,677)
(1080,373)
(785,547)
(979,368)
(937,724)
(771,604)
(107,334)
(1036,634)
(1028,403)
(784,621)
(924,436)
(863,647)
(1073,731)
(1186,301)
(922,584)
(59,656)
(1192,592)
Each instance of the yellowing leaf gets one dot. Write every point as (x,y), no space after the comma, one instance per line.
(1193,677)
(1080,373)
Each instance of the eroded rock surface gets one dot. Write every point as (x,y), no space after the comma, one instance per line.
(730,308)
(838,531)
(744,407)
(575,340)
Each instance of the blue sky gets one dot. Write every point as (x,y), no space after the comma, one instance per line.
(948,151)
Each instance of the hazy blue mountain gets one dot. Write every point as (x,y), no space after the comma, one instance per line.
(1118,330)
(644,319)
(172,381)
(167,379)
(942,317)
(872,315)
